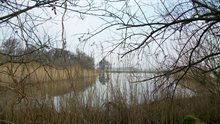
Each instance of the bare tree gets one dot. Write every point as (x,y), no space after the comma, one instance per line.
(189,28)
(182,34)
(11,46)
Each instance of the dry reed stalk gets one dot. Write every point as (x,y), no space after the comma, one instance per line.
(34,72)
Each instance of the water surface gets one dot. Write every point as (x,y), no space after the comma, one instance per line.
(105,88)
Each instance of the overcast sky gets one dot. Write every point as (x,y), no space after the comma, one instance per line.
(100,45)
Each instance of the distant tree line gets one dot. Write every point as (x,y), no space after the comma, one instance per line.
(12,50)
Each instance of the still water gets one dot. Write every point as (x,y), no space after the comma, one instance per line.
(110,87)
(105,88)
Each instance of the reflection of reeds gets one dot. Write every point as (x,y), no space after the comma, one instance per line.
(74,110)
(37,106)
(198,81)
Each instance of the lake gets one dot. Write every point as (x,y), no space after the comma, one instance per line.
(105,88)
(110,87)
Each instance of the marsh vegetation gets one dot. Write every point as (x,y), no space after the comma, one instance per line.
(109,99)
(109,62)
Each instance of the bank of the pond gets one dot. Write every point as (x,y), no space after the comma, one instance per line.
(35,95)
(162,111)
(120,103)
(34,72)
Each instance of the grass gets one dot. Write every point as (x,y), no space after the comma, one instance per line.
(199,81)
(190,119)
(117,112)
(34,72)
(37,106)
(72,110)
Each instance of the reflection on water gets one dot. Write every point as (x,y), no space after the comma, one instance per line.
(104,78)
(56,102)
(106,88)
(111,86)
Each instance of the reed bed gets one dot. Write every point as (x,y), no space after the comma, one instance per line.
(74,110)
(119,113)
(63,103)
(34,72)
